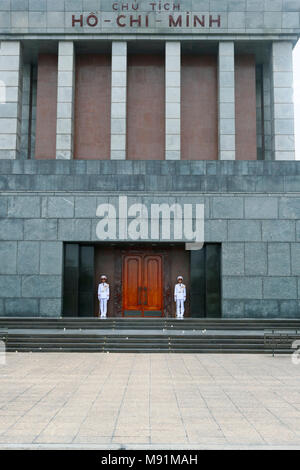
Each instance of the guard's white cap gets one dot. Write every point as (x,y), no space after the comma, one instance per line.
(103,276)
(179,277)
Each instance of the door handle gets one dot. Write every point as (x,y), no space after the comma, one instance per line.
(139,296)
(146,296)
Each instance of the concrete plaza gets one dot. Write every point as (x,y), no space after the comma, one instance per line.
(153,401)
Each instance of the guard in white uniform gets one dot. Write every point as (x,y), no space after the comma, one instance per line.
(103,296)
(179,297)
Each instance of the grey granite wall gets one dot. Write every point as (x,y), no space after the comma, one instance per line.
(129,175)
(252,208)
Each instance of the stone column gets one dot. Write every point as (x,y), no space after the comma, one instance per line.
(10,98)
(267,112)
(33,112)
(172,73)
(283,140)
(26,112)
(259,113)
(226,101)
(65,100)
(118,100)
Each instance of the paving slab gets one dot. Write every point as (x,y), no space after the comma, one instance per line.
(132,401)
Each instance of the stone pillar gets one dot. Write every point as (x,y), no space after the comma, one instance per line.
(26,112)
(226,101)
(118,100)
(33,112)
(267,112)
(259,113)
(10,99)
(65,100)
(172,73)
(283,139)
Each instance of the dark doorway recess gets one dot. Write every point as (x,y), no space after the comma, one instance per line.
(206,281)
(78,289)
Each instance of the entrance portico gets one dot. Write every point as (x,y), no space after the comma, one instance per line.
(142,279)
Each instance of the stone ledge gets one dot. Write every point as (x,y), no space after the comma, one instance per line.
(129,175)
(151,183)
(150,167)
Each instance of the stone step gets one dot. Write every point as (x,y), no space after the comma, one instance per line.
(142,339)
(173,344)
(145,335)
(116,349)
(129,344)
(146,323)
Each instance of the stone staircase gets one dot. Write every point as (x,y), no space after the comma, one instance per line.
(146,323)
(146,335)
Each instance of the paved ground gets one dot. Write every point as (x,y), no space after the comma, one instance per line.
(159,400)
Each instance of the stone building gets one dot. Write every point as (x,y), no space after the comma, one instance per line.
(120,123)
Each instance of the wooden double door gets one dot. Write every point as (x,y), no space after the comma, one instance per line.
(142,285)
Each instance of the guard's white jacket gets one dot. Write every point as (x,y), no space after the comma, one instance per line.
(179,292)
(103,291)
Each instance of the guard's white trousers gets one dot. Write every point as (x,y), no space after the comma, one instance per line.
(103,307)
(179,308)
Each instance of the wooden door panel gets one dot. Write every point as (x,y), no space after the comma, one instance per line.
(152,284)
(132,284)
